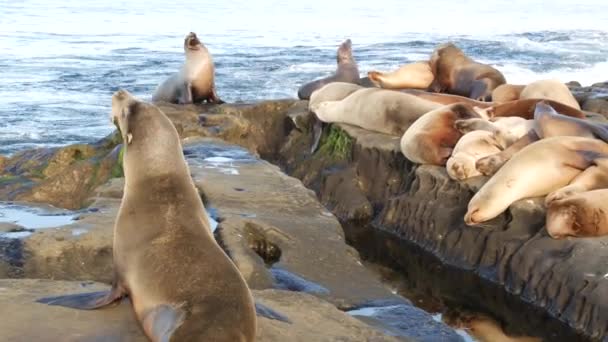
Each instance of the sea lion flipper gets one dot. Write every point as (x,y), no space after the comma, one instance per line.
(160,322)
(317,130)
(215,98)
(85,301)
(185,94)
(264,311)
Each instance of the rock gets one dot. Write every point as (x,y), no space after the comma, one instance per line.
(312,319)
(422,205)
(596,105)
(9,227)
(260,127)
(63,177)
(274,229)
(573,84)
(600,85)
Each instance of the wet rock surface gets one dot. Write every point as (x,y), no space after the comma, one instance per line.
(312,318)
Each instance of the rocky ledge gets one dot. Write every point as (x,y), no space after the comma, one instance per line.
(281,237)
(275,230)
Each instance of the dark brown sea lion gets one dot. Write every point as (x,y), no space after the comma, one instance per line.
(347,71)
(446,99)
(182,285)
(458,74)
(195,82)
(431,138)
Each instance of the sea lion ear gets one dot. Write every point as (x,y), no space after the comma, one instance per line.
(125,117)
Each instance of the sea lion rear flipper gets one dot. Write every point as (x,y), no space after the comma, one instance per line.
(317,132)
(85,301)
(160,322)
(264,311)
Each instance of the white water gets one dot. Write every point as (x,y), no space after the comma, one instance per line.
(61,60)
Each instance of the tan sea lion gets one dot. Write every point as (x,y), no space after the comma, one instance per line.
(458,74)
(469,148)
(431,138)
(381,110)
(582,214)
(334,91)
(547,123)
(507,92)
(483,327)
(195,82)
(182,285)
(536,170)
(506,130)
(416,75)
(347,71)
(550,90)
(593,178)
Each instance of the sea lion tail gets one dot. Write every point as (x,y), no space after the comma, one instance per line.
(264,311)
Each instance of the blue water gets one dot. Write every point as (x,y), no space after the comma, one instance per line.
(62,59)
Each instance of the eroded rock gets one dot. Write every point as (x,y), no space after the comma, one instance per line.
(312,318)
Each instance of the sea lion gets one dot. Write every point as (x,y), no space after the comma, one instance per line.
(524,108)
(507,92)
(375,109)
(583,214)
(195,82)
(483,327)
(458,74)
(416,75)
(347,71)
(334,91)
(431,138)
(446,99)
(536,170)
(547,123)
(469,148)
(182,285)
(550,90)
(506,130)
(593,178)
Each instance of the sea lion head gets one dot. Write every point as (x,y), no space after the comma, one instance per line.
(345,52)
(569,217)
(123,107)
(192,43)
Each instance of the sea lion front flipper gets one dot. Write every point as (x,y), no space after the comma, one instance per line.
(264,311)
(317,132)
(85,301)
(215,98)
(160,322)
(185,96)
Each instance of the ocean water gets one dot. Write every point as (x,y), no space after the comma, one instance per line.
(62,59)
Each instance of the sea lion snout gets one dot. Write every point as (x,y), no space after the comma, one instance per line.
(192,41)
